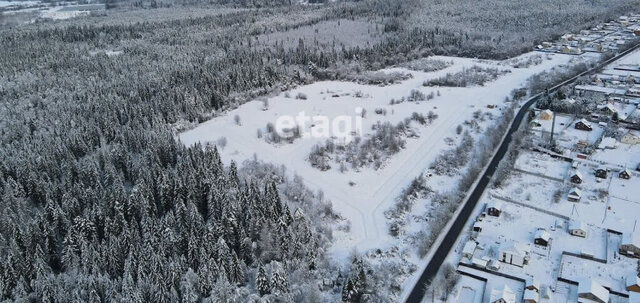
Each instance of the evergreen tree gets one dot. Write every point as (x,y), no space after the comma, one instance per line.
(262,282)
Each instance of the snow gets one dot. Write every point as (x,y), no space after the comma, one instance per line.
(374,191)
(542,164)
(624,155)
(471,291)
(4,4)
(570,135)
(562,122)
(56,13)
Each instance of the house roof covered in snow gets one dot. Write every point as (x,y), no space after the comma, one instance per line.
(632,238)
(578,174)
(576,192)
(533,282)
(515,248)
(589,286)
(495,204)
(577,225)
(503,292)
(530,295)
(585,122)
(632,133)
(469,247)
(632,279)
(542,234)
(608,106)
(607,142)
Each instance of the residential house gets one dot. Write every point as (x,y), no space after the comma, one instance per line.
(502,294)
(514,253)
(630,245)
(469,249)
(570,50)
(583,124)
(532,284)
(530,296)
(633,283)
(607,109)
(574,195)
(625,174)
(578,229)
(477,227)
(576,177)
(480,262)
(601,172)
(542,237)
(633,91)
(494,208)
(546,114)
(593,291)
(608,143)
(631,137)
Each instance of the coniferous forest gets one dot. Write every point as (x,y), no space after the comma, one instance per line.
(100,202)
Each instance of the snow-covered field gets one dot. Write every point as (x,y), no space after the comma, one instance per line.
(18,3)
(542,164)
(374,190)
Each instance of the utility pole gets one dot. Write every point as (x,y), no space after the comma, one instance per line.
(553,126)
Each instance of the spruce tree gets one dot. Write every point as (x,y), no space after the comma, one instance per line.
(262,282)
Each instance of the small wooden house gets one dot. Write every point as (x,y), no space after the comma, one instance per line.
(576,177)
(477,227)
(532,284)
(574,195)
(469,249)
(494,208)
(632,283)
(546,114)
(530,296)
(583,124)
(607,109)
(601,172)
(630,245)
(578,229)
(542,237)
(625,174)
(514,253)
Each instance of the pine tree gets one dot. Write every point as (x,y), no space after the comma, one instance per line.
(279,282)
(262,282)
(348,291)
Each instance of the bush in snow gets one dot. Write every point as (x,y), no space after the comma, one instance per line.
(475,75)
(301,96)
(222,142)
(416,95)
(427,65)
(451,160)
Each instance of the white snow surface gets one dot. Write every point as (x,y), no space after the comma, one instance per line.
(375,190)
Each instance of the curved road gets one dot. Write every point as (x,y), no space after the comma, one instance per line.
(418,291)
